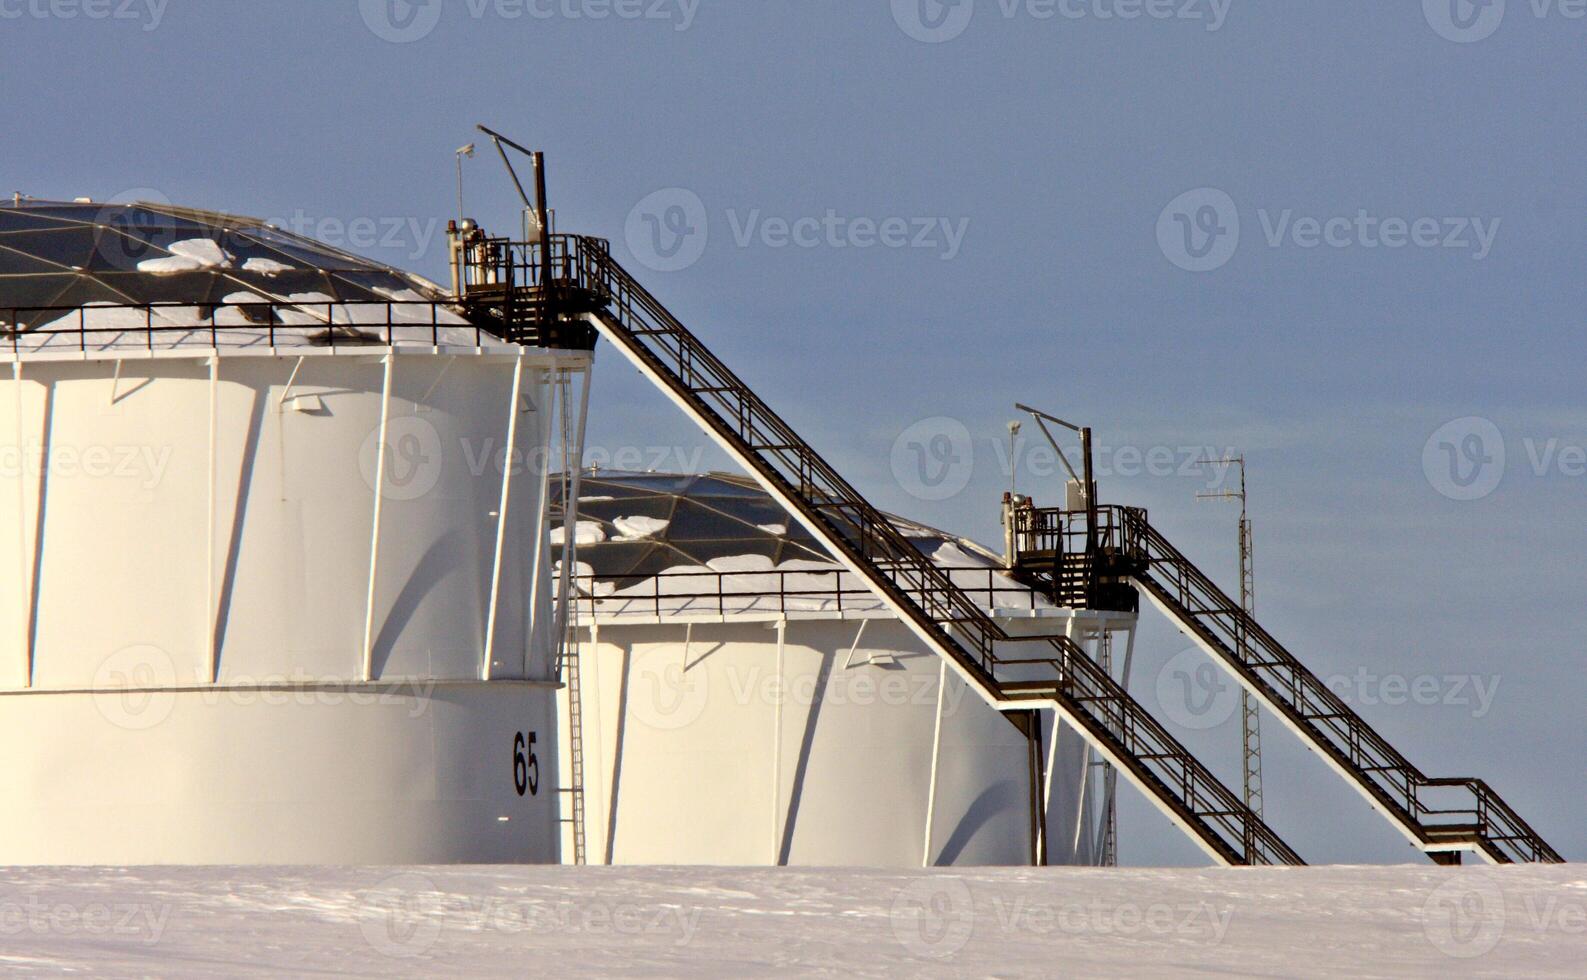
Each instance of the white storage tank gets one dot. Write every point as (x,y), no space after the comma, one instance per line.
(273,516)
(741,700)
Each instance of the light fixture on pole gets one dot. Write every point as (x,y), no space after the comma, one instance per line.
(466,150)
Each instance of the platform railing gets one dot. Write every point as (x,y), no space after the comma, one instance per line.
(727,593)
(336,323)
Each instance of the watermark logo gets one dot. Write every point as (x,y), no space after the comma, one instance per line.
(125,243)
(1464,21)
(943,235)
(408,234)
(933,917)
(936,21)
(143,466)
(1366,688)
(667,694)
(934,458)
(406,915)
(121,922)
(1464,917)
(413,458)
(1199,230)
(1195,692)
(668,230)
(133,687)
(401,21)
(933,21)
(1465,458)
(149,13)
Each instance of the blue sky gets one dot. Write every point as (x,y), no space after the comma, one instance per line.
(897,219)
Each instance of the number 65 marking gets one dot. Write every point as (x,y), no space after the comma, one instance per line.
(525,767)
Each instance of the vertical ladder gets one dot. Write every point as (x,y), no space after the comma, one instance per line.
(575,788)
(1108,854)
(568,651)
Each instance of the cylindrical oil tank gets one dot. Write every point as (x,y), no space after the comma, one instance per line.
(272,554)
(741,700)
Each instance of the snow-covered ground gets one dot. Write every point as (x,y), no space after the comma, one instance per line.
(524,921)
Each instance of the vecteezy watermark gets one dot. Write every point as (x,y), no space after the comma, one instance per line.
(1464,917)
(407,463)
(936,916)
(668,692)
(670,685)
(937,21)
(408,234)
(1037,458)
(1469,21)
(644,459)
(933,917)
(1199,231)
(1195,692)
(150,14)
(1466,459)
(124,251)
(138,922)
(415,458)
(1469,915)
(934,458)
(1464,21)
(136,688)
(405,915)
(406,21)
(1368,689)
(669,229)
(141,466)
(945,236)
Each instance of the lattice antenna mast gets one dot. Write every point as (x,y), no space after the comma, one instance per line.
(1250,716)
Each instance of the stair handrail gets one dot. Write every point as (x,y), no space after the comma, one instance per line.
(1352,735)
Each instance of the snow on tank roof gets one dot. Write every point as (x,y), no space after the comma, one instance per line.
(668,544)
(643,524)
(113,261)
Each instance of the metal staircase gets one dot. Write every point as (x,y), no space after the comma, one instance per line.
(1057,674)
(1443,817)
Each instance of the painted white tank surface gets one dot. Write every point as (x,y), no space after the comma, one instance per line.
(253,554)
(702,747)
(200,527)
(385,773)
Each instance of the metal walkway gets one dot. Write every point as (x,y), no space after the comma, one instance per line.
(1057,674)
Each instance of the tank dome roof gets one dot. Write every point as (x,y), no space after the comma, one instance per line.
(634,525)
(84,277)
(70,254)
